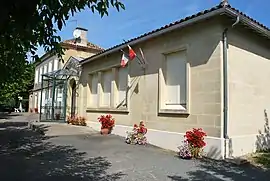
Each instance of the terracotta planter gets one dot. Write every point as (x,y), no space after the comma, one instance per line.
(105,131)
(57,116)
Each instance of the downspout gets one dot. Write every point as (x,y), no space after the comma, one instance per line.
(225,85)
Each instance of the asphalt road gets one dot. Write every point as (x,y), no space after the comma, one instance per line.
(26,155)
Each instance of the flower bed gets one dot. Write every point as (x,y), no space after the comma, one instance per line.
(107,123)
(137,135)
(193,144)
(76,120)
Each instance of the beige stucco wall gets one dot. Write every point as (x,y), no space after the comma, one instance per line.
(249,90)
(75,53)
(204,57)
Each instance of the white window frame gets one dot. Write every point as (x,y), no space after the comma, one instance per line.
(164,107)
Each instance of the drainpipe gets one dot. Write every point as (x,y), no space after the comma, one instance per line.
(225,85)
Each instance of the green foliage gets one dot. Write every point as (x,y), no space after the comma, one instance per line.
(17,85)
(26,25)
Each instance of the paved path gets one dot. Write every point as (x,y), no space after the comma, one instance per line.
(85,155)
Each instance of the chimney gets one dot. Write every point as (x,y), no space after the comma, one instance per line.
(82,40)
(224,3)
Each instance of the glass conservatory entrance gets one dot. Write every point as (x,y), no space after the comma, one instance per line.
(53,99)
(54,85)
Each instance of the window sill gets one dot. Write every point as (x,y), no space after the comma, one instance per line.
(108,110)
(175,112)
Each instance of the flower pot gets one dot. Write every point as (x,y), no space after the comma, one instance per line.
(105,131)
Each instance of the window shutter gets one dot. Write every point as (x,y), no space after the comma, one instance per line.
(122,84)
(39,100)
(107,82)
(94,85)
(40,73)
(55,66)
(50,67)
(175,78)
(45,69)
(36,77)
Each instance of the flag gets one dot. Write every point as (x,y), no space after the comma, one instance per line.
(124,60)
(132,54)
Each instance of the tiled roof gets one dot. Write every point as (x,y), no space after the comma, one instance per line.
(89,44)
(227,9)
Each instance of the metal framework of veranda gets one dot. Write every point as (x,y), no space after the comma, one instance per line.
(54,87)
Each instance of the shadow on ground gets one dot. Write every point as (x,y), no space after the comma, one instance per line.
(5,115)
(28,155)
(221,170)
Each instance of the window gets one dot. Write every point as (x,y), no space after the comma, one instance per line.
(94,90)
(60,90)
(175,80)
(45,69)
(55,64)
(39,100)
(36,77)
(106,88)
(36,102)
(40,73)
(50,67)
(122,84)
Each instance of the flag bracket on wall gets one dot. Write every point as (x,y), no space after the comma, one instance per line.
(131,55)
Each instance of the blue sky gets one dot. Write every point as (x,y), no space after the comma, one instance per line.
(142,16)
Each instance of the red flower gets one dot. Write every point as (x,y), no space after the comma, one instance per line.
(196,137)
(106,121)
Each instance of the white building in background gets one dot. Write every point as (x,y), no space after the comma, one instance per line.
(77,48)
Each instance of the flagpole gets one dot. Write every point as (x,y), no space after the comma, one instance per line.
(140,61)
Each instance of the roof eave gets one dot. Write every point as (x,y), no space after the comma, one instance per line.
(155,34)
(71,46)
(246,21)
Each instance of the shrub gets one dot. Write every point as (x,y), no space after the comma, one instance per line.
(137,135)
(106,121)
(76,120)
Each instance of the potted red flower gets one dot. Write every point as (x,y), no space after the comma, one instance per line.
(195,140)
(107,123)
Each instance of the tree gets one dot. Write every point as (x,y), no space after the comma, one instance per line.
(25,26)
(20,86)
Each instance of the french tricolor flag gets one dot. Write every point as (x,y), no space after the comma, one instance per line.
(124,60)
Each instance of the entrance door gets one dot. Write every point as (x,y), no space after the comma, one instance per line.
(73,99)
